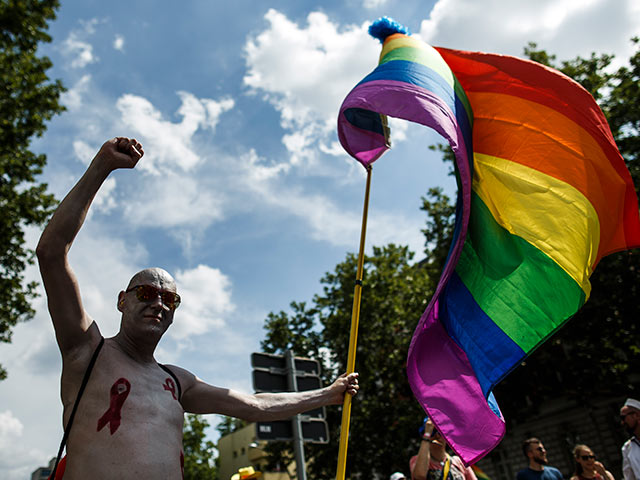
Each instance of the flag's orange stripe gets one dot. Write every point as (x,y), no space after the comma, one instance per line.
(483,72)
(541,138)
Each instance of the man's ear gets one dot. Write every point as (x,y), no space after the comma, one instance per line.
(120,301)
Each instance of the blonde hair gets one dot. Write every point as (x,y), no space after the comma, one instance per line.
(576,451)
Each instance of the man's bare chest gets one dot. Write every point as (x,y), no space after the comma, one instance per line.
(122,396)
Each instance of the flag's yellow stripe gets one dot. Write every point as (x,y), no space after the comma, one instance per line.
(546,212)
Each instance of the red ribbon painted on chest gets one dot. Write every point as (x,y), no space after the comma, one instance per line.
(119,393)
(170,386)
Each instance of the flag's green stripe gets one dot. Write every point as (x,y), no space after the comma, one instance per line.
(520,288)
(427,57)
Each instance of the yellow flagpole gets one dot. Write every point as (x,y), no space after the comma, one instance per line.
(353,337)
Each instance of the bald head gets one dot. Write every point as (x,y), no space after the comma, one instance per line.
(153,276)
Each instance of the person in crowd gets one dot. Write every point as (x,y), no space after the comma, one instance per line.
(433,462)
(538,468)
(587,467)
(630,420)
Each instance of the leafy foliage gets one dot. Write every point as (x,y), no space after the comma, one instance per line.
(229,425)
(384,413)
(27,100)
(199,461)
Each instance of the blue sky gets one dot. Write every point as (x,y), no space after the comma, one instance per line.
(244,194)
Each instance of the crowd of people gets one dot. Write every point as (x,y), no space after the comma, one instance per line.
(433,462)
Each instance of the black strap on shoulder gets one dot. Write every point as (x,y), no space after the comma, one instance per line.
(173,375)
(85,380)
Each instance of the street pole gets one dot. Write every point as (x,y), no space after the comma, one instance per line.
(298,445)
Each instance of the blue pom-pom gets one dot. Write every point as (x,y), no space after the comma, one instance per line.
(385,26)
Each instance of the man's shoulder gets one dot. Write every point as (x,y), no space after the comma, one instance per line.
(527,473)
(629,445)
(552,472)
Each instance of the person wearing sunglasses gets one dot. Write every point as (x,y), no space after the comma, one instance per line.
(587,467)
(630,420)
(122,411)
(538,468)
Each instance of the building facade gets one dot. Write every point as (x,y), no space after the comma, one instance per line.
(242,449)
(560,425)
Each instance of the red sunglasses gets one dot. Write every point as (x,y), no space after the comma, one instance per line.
(148,293)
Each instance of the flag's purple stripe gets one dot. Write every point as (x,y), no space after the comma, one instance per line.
(425,77)
(434,358)
(490,351)
(442,378)
(406,101)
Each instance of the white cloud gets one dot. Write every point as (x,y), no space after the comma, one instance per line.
(206,302)
(169,145)
(89,26)
(327,221)
(171,201)
(10,426)
(77,47)
(105,200)
(80,51)
(72,98)
(372,4)
(308,83)
(215,109)
(83,151)
(564,27)
(118,43)
(15,456)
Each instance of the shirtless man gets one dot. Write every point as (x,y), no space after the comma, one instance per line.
(129,420)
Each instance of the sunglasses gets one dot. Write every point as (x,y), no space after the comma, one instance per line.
(587,457)
(540,449)
(148,293)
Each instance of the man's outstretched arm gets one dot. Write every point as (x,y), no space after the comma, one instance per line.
(63,294)
(200,397)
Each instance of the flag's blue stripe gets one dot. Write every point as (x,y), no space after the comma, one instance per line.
(427,78)
(364,119)
(489,350)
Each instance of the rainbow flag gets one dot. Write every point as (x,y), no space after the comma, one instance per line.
(543,195)
(480,474)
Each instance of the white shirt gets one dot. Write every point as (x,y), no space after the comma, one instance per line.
(631,459)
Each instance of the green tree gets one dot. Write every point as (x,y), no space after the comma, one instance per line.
(229,425)
(384,413)
(27,100)
(199,463)
(439,229)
